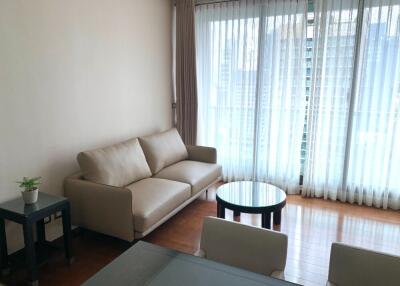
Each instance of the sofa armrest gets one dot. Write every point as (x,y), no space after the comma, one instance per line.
(202,154)
(102,208)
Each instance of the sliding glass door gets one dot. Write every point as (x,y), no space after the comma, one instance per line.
(251,91)
(353,139)
(227,56)
(304,94)
(333,43)
(373,172)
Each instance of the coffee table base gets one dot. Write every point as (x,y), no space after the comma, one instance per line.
(220,211)
(265,217)
(277,217)
(266,220)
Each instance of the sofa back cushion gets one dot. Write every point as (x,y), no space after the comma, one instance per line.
(163,149)
(117,165)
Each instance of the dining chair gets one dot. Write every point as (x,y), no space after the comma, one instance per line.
(353,266)
(252,248)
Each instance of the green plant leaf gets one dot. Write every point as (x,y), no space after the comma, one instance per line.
(29,184)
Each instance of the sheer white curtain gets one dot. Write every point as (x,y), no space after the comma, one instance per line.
(251,88)
(334,38)
(374,163)
(353,145)
(227,56)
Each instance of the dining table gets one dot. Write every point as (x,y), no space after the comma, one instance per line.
(149,264)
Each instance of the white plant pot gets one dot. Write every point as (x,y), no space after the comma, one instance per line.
(30,197)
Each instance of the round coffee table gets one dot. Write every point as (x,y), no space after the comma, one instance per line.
(252,197)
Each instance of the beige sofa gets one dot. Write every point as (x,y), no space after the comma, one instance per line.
(128,189)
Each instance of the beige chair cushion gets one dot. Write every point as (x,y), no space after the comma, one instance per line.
(251,248)
(351,266)
(117,165)
(163,149)
(198,174)
(152,199)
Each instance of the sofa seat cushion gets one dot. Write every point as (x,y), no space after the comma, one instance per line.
(154,198)
(116,165)
(163,149)
(198,174)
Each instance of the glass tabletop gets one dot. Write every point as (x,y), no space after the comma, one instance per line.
(166,267)
(251,194)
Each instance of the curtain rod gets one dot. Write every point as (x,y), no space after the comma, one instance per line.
(205,2)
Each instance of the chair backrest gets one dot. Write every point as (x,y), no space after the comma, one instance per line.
(352,266)
(252,248)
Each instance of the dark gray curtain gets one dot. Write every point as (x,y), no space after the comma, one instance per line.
(186,84)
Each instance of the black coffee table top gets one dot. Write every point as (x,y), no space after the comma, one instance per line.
(251,196)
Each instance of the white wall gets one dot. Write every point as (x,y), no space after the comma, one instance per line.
(75,75)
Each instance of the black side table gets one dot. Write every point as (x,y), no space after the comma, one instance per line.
(29,215)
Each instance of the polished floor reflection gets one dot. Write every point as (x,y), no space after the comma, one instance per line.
(311,225)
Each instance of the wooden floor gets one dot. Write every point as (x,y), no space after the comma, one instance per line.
(311,225)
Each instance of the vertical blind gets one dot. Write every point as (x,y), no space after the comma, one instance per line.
(304,95)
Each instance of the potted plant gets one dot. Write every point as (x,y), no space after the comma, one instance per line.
(30,189)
